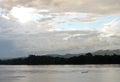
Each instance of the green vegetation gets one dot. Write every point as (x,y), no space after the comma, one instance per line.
(75,60)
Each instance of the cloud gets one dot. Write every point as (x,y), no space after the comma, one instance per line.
(80,36)
(55,42)
(83,6)
(48,10)
(9,50)
(30,25)
(29,39)
(33,39)
(112,28)
(13,27)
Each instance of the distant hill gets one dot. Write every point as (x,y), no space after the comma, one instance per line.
(102,57)
(99,52)
(107,52)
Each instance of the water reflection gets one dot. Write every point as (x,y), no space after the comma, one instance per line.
(60,73)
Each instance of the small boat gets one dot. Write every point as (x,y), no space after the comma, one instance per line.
(84,72)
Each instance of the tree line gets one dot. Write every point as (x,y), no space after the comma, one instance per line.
(88,58)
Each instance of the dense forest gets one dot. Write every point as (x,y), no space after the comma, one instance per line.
(88,58)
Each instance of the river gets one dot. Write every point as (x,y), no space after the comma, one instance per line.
(60,73)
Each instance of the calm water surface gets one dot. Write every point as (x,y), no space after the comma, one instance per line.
(60,73)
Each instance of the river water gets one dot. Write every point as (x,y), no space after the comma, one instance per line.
(60,73)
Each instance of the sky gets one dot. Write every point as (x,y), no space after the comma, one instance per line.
(58,26)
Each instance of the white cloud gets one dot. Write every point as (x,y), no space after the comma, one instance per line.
(112,28)
(6,17)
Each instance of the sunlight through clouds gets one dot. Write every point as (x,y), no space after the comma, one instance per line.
(23,14)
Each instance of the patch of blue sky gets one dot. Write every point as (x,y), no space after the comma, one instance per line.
(1,11)
(96,25)
(35,17)
(72,26)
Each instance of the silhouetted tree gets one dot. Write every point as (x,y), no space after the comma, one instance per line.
(88,58)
